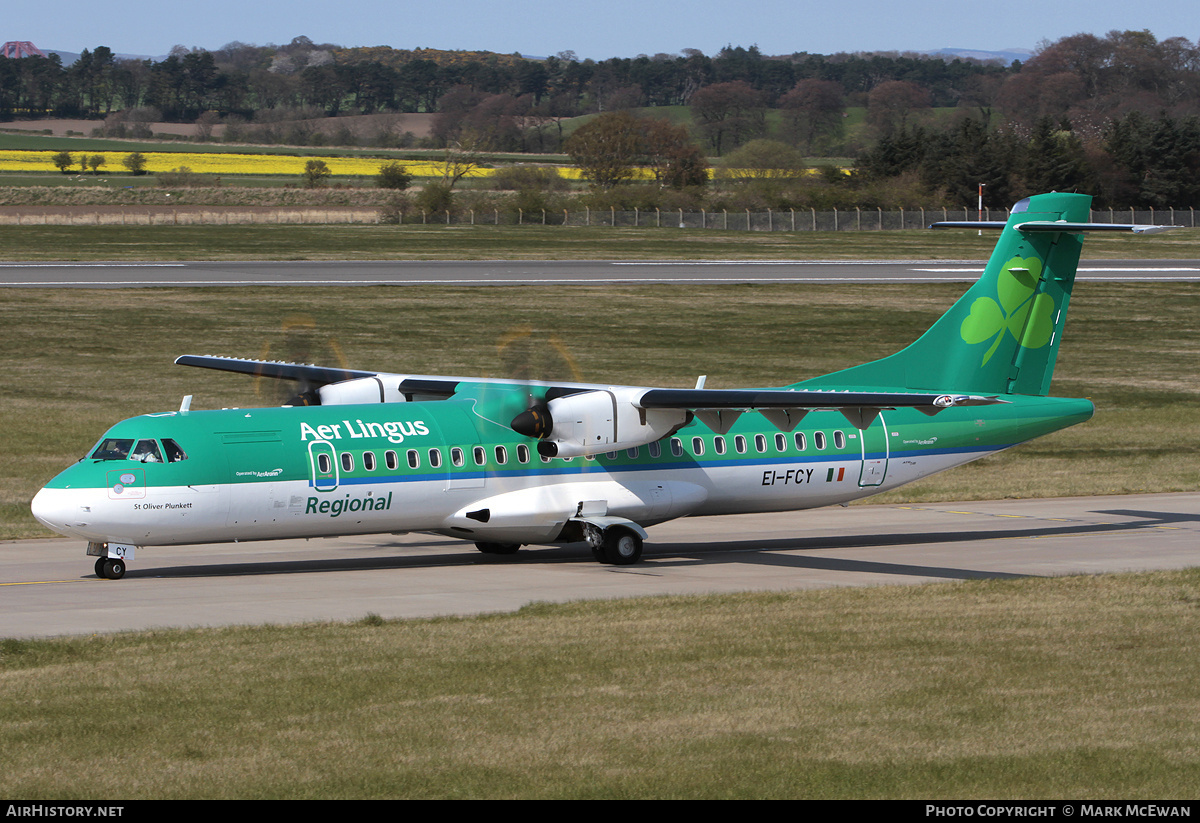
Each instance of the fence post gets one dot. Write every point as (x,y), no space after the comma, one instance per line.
(858,218)
(657,218)
(520,216)
(748,225)
(635,216)
(902,218)
(681,217)
(793,219)
(726,213)
(703,219)
(613,210)
(587,215)
(543,217)
(880,217)
(837,223)
(472,217)
(814,217)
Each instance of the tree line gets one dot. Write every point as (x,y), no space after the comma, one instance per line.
(1116,115)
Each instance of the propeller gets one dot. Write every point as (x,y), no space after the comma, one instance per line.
(535,421)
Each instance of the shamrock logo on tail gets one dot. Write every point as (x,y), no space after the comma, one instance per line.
(1029,319)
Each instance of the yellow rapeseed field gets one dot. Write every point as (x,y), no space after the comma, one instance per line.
(219,163)
(222,163)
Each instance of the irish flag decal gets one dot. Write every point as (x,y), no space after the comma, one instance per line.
(835,474)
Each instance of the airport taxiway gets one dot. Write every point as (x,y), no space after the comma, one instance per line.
(542,272)
(48,588)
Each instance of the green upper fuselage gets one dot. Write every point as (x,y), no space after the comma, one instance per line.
(398,442)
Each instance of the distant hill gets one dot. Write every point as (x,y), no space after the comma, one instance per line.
(1007,56)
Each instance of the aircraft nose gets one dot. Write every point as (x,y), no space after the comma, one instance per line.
(53,510)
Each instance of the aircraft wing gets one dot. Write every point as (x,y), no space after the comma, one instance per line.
(582,418)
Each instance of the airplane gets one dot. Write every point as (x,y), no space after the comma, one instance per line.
(509,463)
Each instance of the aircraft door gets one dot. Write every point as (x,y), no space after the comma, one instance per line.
(875,448)
(322,464)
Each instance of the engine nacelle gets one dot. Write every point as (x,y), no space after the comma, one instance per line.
(361,390)
(606,420)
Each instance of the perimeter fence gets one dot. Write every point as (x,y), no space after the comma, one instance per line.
(793,220)
(782,220)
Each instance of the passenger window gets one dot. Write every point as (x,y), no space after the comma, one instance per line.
(501,455)
(739,444)
(456,456)
(839,440)
(347,462)
(174,452)
(676,447)
(414,459)
(522,453)
(654,449)
(369,461)
(697,446)
(760,443)
(146,452)
(780,443)
(480,455)
(435,458)
(324,464)
(632,453)
(719,444)
(819,439)
(391,460)
(800,444)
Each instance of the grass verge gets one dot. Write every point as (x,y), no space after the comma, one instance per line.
(1075,687)
(466,242)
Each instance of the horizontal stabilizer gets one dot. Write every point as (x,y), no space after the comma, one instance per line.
(1055,225)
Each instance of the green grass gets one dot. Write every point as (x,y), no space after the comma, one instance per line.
(80,360)
(1079,687)
(481,242)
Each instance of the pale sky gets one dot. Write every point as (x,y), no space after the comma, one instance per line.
(597,28)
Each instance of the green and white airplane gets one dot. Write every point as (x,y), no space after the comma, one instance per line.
(506,463)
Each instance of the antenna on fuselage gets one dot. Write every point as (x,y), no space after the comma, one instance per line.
(186,405)
(700,381)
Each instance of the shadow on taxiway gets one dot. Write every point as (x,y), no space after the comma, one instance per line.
(776,552)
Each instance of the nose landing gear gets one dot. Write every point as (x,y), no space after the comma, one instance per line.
(110,568)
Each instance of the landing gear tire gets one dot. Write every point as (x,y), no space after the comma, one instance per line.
(100,567)
(112,568)
(498,548)
(621,547)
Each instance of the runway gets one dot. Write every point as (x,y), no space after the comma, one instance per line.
(48,588)
(541,272)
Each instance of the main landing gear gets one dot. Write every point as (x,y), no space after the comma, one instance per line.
(615,546)
(111,568)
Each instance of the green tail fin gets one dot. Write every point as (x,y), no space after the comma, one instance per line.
(1002,336)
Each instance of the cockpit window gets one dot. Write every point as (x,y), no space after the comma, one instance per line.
(146,452)
(174,452)
(113,448)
